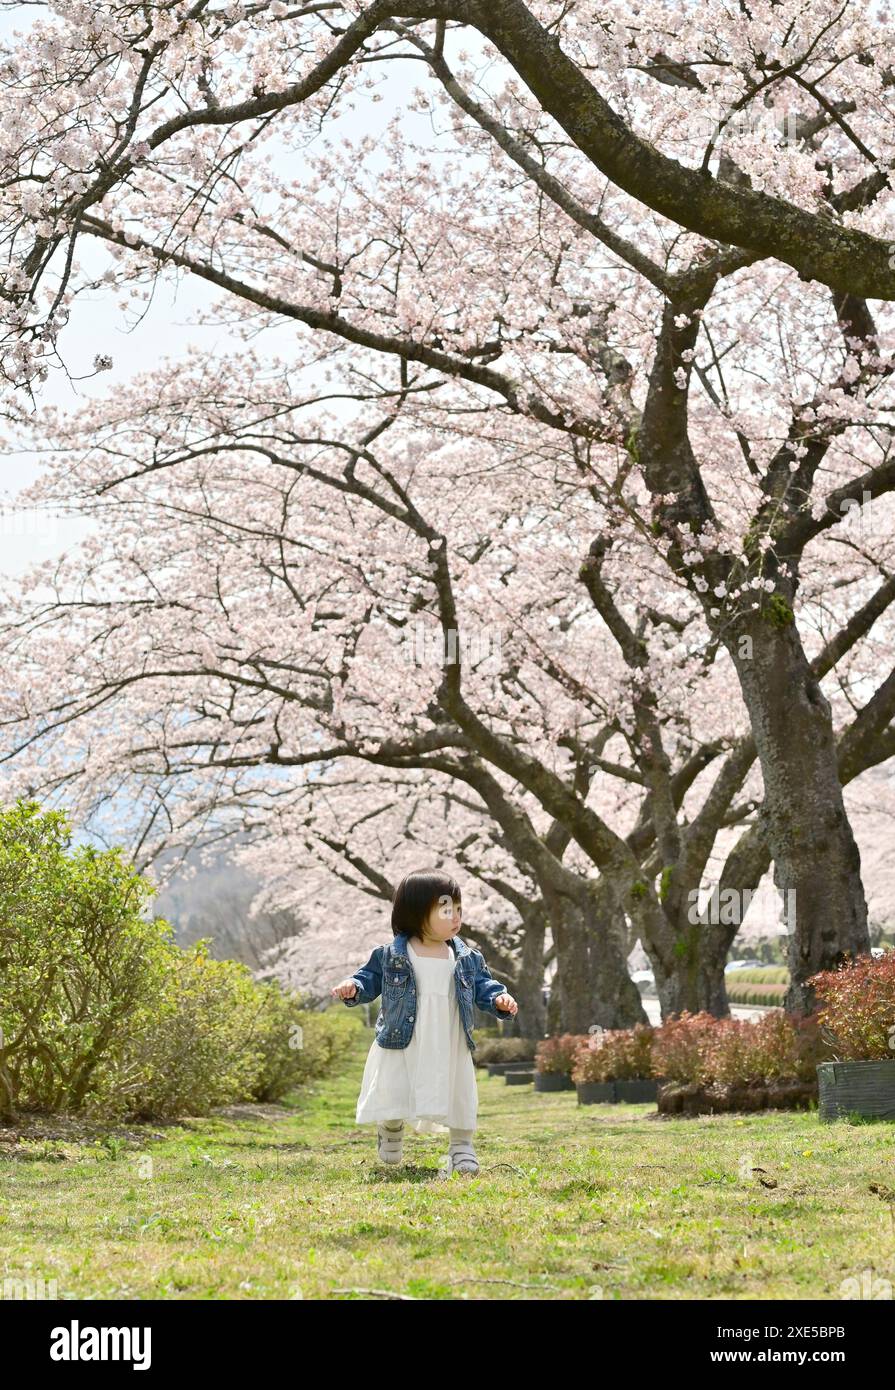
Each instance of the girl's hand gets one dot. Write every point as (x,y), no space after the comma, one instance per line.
(346,990)
(507,1003)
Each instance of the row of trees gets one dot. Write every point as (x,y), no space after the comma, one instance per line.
(556,543)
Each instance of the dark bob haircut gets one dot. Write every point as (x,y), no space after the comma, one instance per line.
(415,896)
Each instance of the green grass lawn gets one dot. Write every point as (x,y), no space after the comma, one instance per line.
(572,1203)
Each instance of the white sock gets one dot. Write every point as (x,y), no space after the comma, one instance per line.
(390,1140)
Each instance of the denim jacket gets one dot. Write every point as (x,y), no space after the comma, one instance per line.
(389,972)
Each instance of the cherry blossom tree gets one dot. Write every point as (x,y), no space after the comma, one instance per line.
(287,604)
(637,264)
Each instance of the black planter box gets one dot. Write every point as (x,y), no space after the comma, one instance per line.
(519,1078)
(617,1092)
(636,1092)
(501,1068)
(856,1088)
(592,1092)
(553,1081)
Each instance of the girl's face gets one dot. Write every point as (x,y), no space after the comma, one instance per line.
(443,920)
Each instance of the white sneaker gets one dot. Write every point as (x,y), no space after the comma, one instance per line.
(390,1142)
(461,1158)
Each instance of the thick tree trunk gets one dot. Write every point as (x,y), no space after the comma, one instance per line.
(554,1007)
(695,983)
(527,981)
(572,969)
(7,1092)
(531,1019)
(613,992)
(816,859)
(595,987)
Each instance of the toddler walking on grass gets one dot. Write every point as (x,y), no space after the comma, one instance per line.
(419,1068)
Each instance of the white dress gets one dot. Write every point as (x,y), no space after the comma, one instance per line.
(431,1081)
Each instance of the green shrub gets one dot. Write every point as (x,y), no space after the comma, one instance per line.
(216,1036)
(100,1010)
(768,995)
(763,975)
(504,1050)
(297,1045)
(78,960)
(196,1046)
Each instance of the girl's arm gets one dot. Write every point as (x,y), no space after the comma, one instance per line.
(487,988)
(368,980)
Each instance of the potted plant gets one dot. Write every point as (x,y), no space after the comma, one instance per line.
(499,1055)
(615,1066)
(708,1065)
(678,1059)
(554,1059)
(857,1017)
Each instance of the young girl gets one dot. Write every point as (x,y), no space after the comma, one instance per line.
(419,1066)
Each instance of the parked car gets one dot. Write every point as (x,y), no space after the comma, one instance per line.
(744,965)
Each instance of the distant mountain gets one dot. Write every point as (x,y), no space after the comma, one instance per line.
(214,901)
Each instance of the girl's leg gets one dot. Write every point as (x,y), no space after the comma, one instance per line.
(461,1154)
(390,1140)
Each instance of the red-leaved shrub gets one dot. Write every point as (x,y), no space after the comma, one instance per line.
(857,1008)
(693,1048)
(622,1054)
(678,1046)
(775,1048)
(731,1051)
(557,1055)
